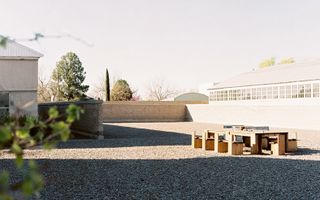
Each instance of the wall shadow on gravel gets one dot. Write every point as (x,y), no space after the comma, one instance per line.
(122,136)
(197,178)
(304,151)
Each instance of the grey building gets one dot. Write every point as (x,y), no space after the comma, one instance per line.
(18,79)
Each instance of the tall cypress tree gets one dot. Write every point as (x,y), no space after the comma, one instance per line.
(107,86)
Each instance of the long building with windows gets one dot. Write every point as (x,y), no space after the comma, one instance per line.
(290,82)
(284,96)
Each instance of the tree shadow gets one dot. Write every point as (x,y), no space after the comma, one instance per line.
(196,178)
(123,136)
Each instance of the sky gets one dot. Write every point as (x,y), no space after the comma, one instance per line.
(183,42)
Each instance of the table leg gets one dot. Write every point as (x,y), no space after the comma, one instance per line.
(216,142)
(193,138)
(281,140)
(259,144)
(286,141)
(230,141)
(204,139)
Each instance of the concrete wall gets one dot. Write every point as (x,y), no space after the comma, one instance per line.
(20,79)
(282,116)
(18,75)
(132,111)
(90,123)
(26,102)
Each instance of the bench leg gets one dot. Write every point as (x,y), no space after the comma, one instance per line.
(204,139)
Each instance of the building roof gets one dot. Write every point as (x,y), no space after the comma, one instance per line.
(191,96)
(14,50)
(284,73)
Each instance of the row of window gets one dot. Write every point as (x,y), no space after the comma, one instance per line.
(271,92)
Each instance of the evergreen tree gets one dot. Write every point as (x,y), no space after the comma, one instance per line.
(107,86)
(121,91)
(69,75)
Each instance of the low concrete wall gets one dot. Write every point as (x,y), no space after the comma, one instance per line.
(282,116)
(144,111)
(90,123)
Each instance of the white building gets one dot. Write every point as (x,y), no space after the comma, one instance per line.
(284,96)
(203,88)
(18,78)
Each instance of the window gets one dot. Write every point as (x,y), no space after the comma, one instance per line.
(4,104)
(275,92)
(225,95)
(243,94)
(282,92)
(258,93)
(234,95)
(248,94)
(294,91)
(254,93)
(263,93)
(288,92)
(316,90)
(300,91)
(307,90)
(213,96)
(269,93)
(220,96)
(238,94)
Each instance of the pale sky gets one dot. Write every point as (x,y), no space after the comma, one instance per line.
(185,42)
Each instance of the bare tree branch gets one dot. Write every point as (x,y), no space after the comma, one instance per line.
(159,90)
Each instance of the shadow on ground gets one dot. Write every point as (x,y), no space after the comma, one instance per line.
(123,136)
(198,178)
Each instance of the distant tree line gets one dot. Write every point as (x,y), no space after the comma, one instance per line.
(272,61)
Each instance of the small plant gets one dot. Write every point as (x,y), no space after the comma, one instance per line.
(19,133)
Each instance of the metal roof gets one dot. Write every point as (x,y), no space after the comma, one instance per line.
(14,50)
(284,73)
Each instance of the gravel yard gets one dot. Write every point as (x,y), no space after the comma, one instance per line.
(156,161)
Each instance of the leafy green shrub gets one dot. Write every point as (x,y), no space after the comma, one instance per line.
(18,133)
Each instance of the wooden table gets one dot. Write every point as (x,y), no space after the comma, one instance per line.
(256,140)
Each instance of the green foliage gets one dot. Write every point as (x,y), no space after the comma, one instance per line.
(121,91)
(107,86)
(272,61)
(268,62)
(19,133)
(3,41)
(287,61)
(68,77)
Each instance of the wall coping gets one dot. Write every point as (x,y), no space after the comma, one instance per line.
(153,102)
(61,103)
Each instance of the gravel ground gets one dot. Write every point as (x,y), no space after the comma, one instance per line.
(155,161)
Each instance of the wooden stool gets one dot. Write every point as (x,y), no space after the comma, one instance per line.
(207,140)
(222,147)
(237,148)
(196,141)
(292,145)
(279,148)
(254,149)
(210,144)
